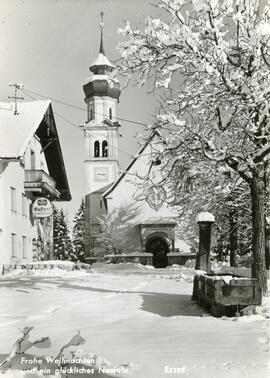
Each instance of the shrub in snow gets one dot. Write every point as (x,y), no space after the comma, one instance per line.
(190,264)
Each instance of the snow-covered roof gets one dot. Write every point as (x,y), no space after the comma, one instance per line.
(102,60)
(103,189)
(17,130)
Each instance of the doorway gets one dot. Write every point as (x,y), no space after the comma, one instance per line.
(159,248)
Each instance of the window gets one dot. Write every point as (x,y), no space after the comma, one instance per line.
(24,247)
(33,160)
(24,205)
(105,148)
(90,112)
(110,113)
(96,149)
(100,204)
(13,199)
(13,245)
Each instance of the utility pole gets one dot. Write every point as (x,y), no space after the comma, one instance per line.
(15,97)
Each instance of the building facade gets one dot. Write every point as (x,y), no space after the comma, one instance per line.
(31,166)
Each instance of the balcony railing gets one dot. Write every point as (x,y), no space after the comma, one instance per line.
(38,181)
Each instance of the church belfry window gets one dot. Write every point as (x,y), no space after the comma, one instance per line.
(90,112)
(110,113)
(96,149)
(105,148)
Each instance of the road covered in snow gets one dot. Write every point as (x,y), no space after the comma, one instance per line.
(136,322)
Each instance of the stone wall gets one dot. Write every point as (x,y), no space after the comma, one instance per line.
(180,259)
(147,258)
(138,258)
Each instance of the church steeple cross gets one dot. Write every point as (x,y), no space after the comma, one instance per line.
(101,48)
(15,97)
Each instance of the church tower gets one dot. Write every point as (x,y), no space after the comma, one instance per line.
(102,94)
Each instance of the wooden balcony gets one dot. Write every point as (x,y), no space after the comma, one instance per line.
(39,183)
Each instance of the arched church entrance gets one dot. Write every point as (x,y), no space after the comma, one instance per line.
(159,247)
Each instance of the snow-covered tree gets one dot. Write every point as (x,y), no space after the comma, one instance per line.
(110,238)
(221,192)
(118,234)
(211,58)
(61,239)
(81,236)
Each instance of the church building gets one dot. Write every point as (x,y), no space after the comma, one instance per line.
(137,210)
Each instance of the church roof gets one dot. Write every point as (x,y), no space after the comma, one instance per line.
(102,190)
(16,132)
(102,60)
(115,184)
(102,63)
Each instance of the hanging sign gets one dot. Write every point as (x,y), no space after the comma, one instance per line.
(42,208)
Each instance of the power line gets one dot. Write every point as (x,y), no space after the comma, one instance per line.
(73,124)
(80,108)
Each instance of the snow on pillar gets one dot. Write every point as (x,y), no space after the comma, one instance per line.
(205,221)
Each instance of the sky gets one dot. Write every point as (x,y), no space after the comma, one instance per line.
(48,46)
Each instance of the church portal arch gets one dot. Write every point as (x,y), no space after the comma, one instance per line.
(159,245)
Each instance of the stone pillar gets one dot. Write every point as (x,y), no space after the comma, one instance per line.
(205,221)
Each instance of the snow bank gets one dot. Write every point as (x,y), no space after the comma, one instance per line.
(224,267)
(54,262)
(120,266)
(48,267)
(55,272)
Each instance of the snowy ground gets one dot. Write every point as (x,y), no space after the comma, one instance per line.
(139,318)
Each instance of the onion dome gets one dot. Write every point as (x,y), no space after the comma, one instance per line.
(102,87)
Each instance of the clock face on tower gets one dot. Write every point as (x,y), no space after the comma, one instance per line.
(101,174)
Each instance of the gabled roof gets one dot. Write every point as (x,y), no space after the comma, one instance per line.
(120,178)
(16,132)
(102,190)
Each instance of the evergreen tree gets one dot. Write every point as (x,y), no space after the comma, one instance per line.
(81,235)
(61,238)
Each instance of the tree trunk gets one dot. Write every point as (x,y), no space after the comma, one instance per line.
(220,249)
(258,227)
(233,237)
(267,245)
(267,213)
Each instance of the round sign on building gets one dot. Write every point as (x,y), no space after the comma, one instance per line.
(42,208)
